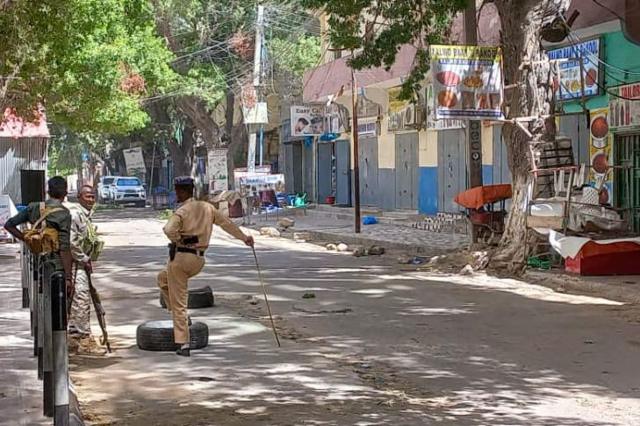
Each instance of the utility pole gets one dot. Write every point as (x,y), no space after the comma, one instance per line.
(474,127)
(356,160)
(257,74)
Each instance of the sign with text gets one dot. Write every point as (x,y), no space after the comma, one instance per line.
(569,85)
(217,168)
(467,83)
(624,110)
(134,161)
(307,120)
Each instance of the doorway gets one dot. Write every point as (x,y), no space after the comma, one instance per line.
(343,173)
(627,181)
(452,170)
(407,171)
(368,159)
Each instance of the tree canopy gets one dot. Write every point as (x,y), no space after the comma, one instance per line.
(88,62)
(377,29)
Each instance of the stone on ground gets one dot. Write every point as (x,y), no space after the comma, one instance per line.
(269,231)
(343,247)
(286,222)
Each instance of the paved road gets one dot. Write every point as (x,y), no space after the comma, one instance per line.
(376,346)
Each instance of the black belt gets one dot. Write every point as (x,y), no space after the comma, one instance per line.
(190,250)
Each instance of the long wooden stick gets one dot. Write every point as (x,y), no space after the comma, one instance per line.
(266,299)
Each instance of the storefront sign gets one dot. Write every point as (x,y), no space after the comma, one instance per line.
(569,86)
(307,120)
(600,152)
(432,123)
(217,168)
(7,210)
(134,161)
(467,82)
(625,113)
(254,179)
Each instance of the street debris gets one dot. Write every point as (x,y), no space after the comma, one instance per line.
(301,237)
(343,247)
(309,296)
(453,262)
(269,231)
(286,223)
(467,270)
(359,252)
(331,247)
(376,251)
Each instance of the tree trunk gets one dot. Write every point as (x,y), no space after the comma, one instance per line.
(528,68)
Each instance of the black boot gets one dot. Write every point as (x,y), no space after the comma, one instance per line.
(184,350)
(190,323)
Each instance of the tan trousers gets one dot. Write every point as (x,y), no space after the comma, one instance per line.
(80,315)
(173,283)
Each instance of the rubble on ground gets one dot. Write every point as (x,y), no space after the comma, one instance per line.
(269,231)
(342,247)
(462,262)
(286,223)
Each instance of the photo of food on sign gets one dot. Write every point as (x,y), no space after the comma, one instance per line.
(467,82)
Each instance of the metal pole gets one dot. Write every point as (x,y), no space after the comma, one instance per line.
(474,127)
(60,350)
(153,164)
(47,343)
(356,160)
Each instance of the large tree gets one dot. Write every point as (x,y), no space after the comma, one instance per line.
(214,45)
(379,27)
(88,62)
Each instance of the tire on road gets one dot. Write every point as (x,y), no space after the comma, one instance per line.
(198,298)
(157,336)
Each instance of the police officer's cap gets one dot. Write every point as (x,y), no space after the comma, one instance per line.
(183,181)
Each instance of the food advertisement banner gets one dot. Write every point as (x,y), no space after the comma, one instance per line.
(600,142)
(432,123)
(569,86)
(468,82)
(625,113)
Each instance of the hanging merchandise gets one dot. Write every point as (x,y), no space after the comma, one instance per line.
(468,82)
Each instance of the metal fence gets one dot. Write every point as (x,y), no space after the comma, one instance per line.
(44,294)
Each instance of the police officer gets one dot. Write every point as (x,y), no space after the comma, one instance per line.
(59,219)
(189,230)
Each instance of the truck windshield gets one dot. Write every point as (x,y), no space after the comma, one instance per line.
(128,182)
(107,181)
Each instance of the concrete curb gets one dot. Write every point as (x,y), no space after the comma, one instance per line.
(586,287)
(367,241)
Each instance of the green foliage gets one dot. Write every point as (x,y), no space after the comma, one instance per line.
(295,56)
(73,55)
(380,27)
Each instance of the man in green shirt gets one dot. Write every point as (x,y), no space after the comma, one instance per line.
(60,220)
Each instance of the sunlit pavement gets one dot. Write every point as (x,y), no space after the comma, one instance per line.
(375,346)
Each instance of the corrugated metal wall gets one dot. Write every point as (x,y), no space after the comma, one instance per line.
(16,155)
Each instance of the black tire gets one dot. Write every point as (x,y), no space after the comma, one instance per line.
(157,336)
(198,298)
(141,204)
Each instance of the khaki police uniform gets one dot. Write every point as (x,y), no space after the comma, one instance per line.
(193,218)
